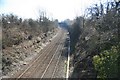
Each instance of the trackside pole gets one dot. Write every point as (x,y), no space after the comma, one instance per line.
(67,74)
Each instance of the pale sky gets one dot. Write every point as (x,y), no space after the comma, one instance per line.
(56,9)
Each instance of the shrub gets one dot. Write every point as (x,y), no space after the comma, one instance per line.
(107,63)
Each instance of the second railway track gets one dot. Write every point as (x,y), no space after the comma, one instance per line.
(53,64)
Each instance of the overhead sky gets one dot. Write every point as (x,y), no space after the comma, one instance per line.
(56,9)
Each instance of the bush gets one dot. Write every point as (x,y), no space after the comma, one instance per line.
(107,63)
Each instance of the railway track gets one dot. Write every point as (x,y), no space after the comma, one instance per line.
(45,65)
(60,66)
(53,65)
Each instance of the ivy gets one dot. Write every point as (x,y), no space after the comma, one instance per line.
(106,63)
